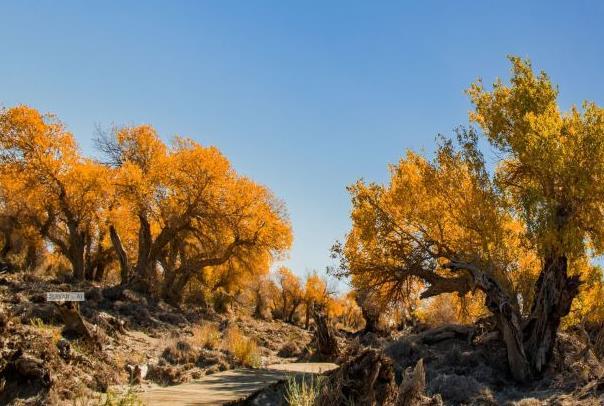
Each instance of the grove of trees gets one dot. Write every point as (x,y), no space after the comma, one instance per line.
(171,221)
(163,214)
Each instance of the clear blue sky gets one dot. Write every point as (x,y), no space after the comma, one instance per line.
(305,97)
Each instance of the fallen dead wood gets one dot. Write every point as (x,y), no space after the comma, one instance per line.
(438,334)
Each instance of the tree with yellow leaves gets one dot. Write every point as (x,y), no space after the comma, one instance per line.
(169,214)
(456,227)
(49,186)
(315,293)
(196,217)
(344,312)
(291,293)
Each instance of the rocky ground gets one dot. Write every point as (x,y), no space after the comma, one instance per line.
(137,342)
(448,365)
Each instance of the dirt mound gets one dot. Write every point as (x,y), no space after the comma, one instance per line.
(39,367)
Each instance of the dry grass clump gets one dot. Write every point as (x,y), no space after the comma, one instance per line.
(111,398)
(206,336)
(186,350)
(52,332)
(165,375)
(244,349)
(303,392)
(129,398)
(290,349)
(180,352)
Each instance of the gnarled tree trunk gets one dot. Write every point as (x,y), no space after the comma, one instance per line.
(554,293)
(174,287)
(122,257)
(530,342)
(144,262)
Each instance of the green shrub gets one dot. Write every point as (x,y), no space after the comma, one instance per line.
(303,391)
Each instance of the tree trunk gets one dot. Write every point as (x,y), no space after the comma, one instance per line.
(90,269)
(371,322)
(121,255)
(290,316)
(142,270)
(554,293)
(504,310)
(88,262)
(529,344)
(75,324)
(32,256)
(99,274)
(76,257)
(307,316)
(76,250)
(284,308)
(7,244)
(259,309)
(172,292)
(370,311)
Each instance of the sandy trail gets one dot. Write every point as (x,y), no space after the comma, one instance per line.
(227,386)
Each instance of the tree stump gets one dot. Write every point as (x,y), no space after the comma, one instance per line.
(412,389)
(76,325)
(325,337)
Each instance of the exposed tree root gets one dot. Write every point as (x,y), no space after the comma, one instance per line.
(367,379)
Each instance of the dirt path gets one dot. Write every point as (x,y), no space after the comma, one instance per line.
(227,386)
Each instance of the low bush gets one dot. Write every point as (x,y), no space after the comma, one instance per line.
(206,336)
(289,349)
(244,349)
(459,389)
(304,391)
(179,352)
(165,375)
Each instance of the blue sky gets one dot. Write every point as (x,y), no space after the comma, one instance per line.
(305,97)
